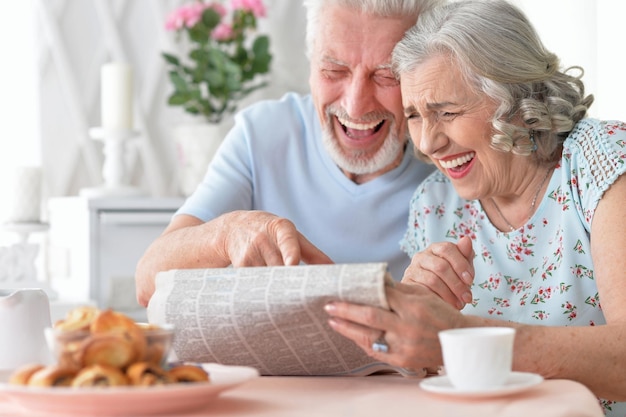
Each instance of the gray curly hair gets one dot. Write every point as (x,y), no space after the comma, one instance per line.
(500,55)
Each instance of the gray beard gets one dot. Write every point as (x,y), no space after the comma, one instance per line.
(358,162)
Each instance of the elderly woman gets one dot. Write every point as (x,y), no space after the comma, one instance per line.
(523,224)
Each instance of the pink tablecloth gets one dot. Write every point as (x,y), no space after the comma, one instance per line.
(382,395)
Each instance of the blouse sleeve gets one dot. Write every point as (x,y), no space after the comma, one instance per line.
(594,156)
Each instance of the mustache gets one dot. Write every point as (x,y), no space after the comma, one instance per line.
(374,116)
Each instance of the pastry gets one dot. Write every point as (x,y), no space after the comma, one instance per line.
(99,376)
(109,321)
(112,349)
(52,376)
(77,319)
(188,373)
(146,373)
(22,374)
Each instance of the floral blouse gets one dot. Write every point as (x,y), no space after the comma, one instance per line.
(541,273)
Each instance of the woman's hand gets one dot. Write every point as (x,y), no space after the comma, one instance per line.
(410,328)
(445,268)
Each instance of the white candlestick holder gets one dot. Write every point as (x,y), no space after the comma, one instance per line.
(114,170)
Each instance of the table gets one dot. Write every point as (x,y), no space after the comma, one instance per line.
(396,396)
(383,395)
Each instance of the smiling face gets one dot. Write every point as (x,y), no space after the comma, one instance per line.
(356,95)
(451,124)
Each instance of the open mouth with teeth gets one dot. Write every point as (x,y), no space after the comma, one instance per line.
(360,130)
(458,165)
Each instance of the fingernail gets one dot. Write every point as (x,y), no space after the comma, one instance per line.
(467,277)
(329,308)
(467,297)
(460,305)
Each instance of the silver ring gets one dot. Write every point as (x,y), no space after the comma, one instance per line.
(380,345)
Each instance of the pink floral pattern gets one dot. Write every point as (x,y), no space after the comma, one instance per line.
(541,273)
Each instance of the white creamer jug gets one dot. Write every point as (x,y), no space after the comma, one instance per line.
(24,314)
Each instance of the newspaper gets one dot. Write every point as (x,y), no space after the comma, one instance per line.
(269,318)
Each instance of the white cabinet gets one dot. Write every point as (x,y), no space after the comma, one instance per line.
(94,246)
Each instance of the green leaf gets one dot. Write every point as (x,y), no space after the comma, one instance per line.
(171,59)
(261,45)
(178,99)
(217,59)
(233,80)
(199,33)
(261,64)
(192,109)
(215,79)
(195,94)
(180,84)
(199,55)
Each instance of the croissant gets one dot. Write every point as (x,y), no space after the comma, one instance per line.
(77,319)
(146,373)
(99,376)
(109,321)
(52,376)
(22,374)
(188,373)
(107,349)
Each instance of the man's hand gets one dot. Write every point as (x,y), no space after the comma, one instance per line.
(256,238)
(239,238)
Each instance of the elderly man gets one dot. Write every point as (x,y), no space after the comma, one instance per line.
(318,178)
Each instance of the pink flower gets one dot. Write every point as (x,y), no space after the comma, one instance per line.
(185,16)
(219,8)
(222,32)
(176,19)
(189,15)
(255,6)
(194,14)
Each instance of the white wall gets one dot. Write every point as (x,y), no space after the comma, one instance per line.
(19,116)
(587,33)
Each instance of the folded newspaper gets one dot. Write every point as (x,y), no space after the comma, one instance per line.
(269,318)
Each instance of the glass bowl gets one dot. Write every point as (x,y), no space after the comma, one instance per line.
(79,348)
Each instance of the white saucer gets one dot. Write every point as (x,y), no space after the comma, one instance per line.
(518,381)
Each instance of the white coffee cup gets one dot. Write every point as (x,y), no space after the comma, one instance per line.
(477,358)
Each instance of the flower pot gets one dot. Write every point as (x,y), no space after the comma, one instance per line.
(196,143)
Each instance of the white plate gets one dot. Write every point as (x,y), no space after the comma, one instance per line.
(518,381)
(125,401)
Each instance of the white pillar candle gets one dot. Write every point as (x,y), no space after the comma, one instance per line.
(117,96)
(26,206)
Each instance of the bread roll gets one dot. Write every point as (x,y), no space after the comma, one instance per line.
(77,319)
(52,376)
(146,373)
(188,373)
(22,375)
(99,376)
(107,349)
(109,321)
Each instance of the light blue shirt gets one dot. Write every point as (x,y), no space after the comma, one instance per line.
(274,160)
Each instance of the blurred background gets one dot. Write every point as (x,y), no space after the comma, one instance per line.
(53,51)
